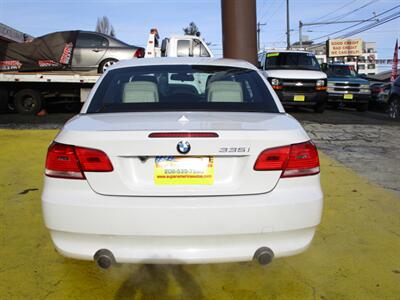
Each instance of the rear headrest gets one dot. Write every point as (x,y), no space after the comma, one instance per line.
(225,91)
(148,78)
(140,92)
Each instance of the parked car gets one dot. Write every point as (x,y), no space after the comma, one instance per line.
(379,95)
(394,100)
(98,51)
(346,88)
(296,77)
(152,171)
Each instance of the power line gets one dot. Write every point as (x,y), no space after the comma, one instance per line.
(332,12)
(262,15)
(262,6)
(275,11)
(368,27)
(386,19)
(355,25)
(354,10)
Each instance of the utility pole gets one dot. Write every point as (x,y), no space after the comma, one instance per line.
(287,25)
(239,38)
(259,35)
(301,34)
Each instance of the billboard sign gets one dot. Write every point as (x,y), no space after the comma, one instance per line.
(345,47)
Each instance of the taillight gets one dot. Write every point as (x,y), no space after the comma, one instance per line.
(294,160)
(139,53)
(67,161)
(303,160)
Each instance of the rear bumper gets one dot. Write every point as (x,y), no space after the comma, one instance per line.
(287,98)
(181,229)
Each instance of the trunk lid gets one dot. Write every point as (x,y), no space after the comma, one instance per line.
(124,137)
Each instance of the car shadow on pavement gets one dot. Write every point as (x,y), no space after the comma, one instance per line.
(159,282)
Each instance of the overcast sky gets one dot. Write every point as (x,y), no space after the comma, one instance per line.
(132,19)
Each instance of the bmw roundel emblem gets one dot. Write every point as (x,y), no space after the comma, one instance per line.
(183,147)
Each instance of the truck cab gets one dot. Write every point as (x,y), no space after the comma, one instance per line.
(346,88)
(296,77)
(176,46)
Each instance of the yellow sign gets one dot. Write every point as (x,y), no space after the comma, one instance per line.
(348,47)
(273,54)
(299,98)
(348,96)
(173,170)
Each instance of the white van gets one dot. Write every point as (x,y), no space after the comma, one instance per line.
(296,77)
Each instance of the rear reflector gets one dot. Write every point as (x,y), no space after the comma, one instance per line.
(67,161)
(294,160)
(183,134)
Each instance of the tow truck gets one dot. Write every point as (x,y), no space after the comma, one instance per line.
(29,92)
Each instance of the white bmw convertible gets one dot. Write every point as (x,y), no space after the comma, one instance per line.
(182,160)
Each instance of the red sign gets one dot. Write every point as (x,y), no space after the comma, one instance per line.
(395,62)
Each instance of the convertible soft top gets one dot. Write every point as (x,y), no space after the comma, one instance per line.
(49,52)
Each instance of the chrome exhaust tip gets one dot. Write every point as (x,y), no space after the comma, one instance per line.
(263,255)
(104,258)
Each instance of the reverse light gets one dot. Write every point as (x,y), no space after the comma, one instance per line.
(67,161)
(294,160)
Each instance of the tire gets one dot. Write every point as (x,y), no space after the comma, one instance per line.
(106,64)
(3,99)
(28,102)
(319,108)
(362,107)
(394,109)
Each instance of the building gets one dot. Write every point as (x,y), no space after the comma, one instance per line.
(365,64)
(10,35)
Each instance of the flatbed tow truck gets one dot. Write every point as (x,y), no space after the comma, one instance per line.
(30,92)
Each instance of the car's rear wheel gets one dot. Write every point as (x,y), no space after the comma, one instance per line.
(362,107)
(28,102)
(394,109)
(105,64)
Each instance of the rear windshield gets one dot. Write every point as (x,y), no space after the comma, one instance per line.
(182,87)
(291,60)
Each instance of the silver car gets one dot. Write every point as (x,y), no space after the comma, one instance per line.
(95,50)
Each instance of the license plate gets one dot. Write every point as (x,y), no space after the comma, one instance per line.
(299,98)
(171,170)
(348,96)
